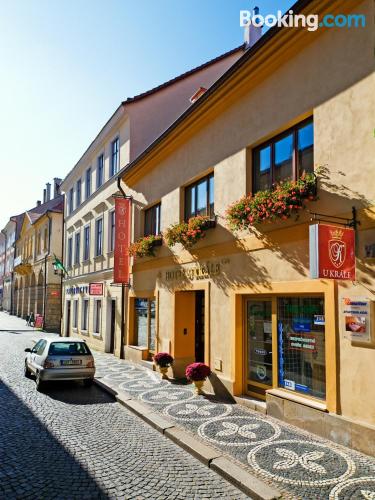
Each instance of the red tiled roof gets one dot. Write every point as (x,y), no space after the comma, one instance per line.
(54,205)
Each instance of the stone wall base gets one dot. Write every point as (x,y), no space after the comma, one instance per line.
(356,435)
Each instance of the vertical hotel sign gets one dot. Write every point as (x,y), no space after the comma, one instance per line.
(332,252)
(122,240)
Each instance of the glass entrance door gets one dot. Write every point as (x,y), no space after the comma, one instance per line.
(258,316)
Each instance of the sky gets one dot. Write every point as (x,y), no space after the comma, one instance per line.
(66,65)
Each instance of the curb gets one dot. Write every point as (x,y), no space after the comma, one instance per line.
(212,458)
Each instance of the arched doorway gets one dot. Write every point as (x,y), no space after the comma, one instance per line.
(26,298)
(40,293)
(32,293)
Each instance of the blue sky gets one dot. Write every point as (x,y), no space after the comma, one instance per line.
(67,64)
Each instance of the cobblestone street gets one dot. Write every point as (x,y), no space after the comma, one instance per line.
(74,443)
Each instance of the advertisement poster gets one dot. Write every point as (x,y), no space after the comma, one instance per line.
(355,316)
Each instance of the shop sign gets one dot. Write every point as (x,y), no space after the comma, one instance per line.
(74,290)
(356,318)
(96,289)
(199,272)
(261,372)
(122,240)
(305,343)
(301,325)
(332,252)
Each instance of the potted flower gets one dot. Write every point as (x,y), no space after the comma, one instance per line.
(281,202)
(144,247)
(197,373)
(163,361)
(188,233)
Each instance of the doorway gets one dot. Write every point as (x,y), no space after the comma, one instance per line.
(199,326)
(67,324)
(258,365)
(112,327)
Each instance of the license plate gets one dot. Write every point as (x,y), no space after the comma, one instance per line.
(70,362)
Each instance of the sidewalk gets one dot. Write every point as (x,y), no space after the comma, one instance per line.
(248,448)
(14,323)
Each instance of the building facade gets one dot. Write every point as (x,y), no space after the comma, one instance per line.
(94,307)
(244,302)
(37,288)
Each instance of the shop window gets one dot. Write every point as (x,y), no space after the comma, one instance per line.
(97,316)
(144,328)
(152,220)
(301,345)
(85,314)
(284,157)
(75,314)
(199,198)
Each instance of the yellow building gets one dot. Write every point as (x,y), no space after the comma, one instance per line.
(37,288)
(297,100)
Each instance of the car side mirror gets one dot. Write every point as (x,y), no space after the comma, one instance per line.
(27,349)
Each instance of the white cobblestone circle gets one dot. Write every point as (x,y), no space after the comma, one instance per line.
(301,463)
(141,385)
(162,396)
(237,431)
(360,487)
(197,410)
(124,375)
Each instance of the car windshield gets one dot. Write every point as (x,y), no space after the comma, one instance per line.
(68,349)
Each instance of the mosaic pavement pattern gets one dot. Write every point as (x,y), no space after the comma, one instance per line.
(301,465)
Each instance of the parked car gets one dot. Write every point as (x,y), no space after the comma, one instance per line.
(60,359)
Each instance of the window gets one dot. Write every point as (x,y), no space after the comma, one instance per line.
(112,230)
(86,243)
(301,345)
(100,171)
(85,314)
(98,316)
(75,313)
(144,328)
(45,244)
(78,192)
(70,201)
(199,198)
(115,156)
(69,348)
(88,183)
(39,347)
(284,157)
(70,252)
(98,237)
(77,248)
(152,220)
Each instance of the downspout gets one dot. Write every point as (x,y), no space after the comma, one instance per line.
(45,268)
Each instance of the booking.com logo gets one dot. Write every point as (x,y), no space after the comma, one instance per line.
(311,21)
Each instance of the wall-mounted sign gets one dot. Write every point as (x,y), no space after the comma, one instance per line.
(332,252)
(74,290)
(306,343)
(200,271)
(355,315)
(96,289)
(55,293)
(301,325)
(122,240)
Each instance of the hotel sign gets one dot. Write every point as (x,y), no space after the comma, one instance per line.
(122,240)
(332,252)
(199,272)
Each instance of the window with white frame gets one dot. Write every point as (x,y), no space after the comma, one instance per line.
(85,315)
(70,252)
(86,243)
(97,316)
(99,237)
(78,192)
(115,156)
(100,171)
(77,248)
(75,313)
(112,230)
(70,201)
(88,183)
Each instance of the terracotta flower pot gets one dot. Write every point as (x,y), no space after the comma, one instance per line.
(198,386)
(163,370)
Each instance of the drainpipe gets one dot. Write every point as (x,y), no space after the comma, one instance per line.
(45,268)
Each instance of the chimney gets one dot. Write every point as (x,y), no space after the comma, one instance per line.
(38,203)
(56,186)
(44,195)
(252,33)
(48,191)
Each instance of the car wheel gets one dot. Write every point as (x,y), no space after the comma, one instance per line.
(26,372)
(39,383)
(88,382)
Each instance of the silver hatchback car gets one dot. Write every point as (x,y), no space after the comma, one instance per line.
(62,358)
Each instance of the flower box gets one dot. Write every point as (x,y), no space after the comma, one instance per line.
(144,247)
(189,233)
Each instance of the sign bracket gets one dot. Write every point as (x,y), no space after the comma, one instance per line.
(333,219)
